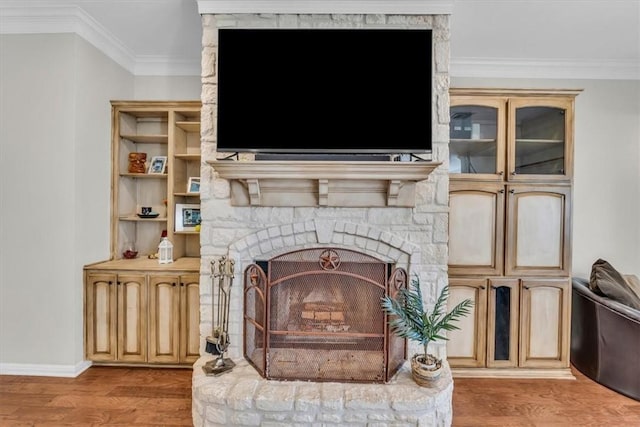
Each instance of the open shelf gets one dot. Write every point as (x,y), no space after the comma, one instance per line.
(188,126)
(147,139)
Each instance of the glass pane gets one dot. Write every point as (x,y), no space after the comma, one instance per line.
(540,140)
(502,320)
(473,135)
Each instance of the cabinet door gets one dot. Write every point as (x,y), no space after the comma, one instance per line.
(466,346)
(502,323)
(538,231)
(476,228)
(132,318)
(101,316)
(477,137)
(544,323)
(189,318)
(164,318)
(540,139)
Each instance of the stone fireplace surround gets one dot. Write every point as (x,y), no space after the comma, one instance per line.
(414,238)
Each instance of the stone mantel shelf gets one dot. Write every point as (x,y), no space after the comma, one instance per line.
(323,183)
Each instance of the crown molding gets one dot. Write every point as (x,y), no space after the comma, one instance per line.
(42,19)
(401,7)
(545,68)
(39,18)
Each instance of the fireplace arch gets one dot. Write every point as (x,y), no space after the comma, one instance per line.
(314,314)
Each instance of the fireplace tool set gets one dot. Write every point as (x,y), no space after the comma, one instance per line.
(217,344)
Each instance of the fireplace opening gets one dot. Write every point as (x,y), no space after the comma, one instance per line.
(315,314)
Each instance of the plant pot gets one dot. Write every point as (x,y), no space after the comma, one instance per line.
(424,373)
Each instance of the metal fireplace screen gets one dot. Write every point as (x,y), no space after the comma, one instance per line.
(315,315)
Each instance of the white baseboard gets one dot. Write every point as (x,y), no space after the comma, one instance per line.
(38,370)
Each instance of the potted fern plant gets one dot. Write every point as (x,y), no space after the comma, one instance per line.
(410,320)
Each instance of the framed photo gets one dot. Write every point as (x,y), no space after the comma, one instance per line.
(194,184)
(187,217)
(158,164)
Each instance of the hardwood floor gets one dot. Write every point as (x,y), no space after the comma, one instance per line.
(162,397)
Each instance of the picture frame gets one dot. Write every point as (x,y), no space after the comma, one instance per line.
(193,186)
(187,217)
(158,165)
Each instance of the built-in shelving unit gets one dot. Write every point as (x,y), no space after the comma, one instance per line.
(138,311)
(511,166)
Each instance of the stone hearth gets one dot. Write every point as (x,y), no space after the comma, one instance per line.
(242,397)
(411,235)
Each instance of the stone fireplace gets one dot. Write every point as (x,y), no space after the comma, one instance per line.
(404,226)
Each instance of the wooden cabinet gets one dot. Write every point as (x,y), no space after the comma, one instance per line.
(511,157)
(174,315)
(533,223)
(138,311)
(467,346)
(116,317)
(476,228)
(538,237)
(544,323)
(144,315)
(515,323)
(514,135)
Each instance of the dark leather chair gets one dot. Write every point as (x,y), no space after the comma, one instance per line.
(605,340)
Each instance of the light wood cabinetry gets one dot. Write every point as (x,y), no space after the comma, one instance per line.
(538,230)
(174,334)
(544,323)
(476,228)
(116,317)
(467,346)
(511,156)
(138,311)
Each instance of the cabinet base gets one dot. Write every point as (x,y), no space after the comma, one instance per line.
(557,374)
(144,365)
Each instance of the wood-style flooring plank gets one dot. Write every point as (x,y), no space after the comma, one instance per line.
(115,396)
(540,403)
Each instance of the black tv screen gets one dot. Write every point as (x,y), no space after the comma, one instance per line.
(324,90)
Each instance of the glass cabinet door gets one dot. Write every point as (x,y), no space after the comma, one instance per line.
(476,137)
(540,138)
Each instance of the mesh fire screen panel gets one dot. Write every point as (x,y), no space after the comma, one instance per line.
(323,319)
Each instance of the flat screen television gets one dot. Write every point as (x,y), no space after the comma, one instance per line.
(304,91)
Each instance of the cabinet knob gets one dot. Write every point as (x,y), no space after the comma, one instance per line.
(501,173)
(482,287)
(527,287)
(513,173)
(118,282)
(501,191)
(110,283)
(512,191)
(173,284)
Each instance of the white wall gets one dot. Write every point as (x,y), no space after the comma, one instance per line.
(173,88)
(606,200)
(55,145)
(55,186)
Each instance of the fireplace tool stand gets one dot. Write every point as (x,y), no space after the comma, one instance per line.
(218,343)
